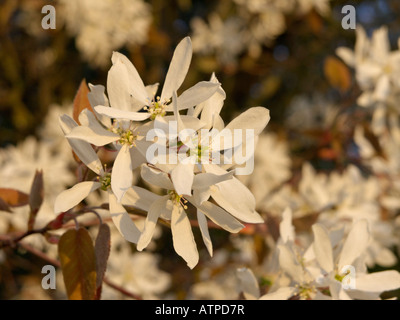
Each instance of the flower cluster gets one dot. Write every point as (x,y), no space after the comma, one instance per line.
(193,167)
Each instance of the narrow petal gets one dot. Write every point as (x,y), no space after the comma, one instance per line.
(178,68)
(182,237)
(201,194)
(205,180)
(136,85)
(234,197)
(121,175)
(205,234)
(118,87)
(123,221)
(218,215)
(355,244)
(139,198)
(122,114)
(248,283)
(82,149)
(255,118)
(289,263)
(137,158)
(71,197)
(200,92)
(151,222)
(322,248)
(94,135)
(379,281)
(286,228)
(182,177)
(347,55)
(157,178)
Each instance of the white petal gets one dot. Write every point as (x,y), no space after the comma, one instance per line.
(123,221)
(322,248)
(205,180)
(71,197)
(286,228)
(137,159)
(139,198)
(94,135)
(347,55)
(182,178)
(82,149)
(136,85)
(337,292)
(118,87)
(289,263)
(201,218)
(218,215)
(151,222)
(152,89)
(283,293)
(178,68)
(248,284)
(355,244)
(255,118)
(234,197)
(211,108)
(122,114)
(121,175)
(380,44)
(198,93)
(157,178)
(379,281)
(382,88)
(182,236)
(201,194)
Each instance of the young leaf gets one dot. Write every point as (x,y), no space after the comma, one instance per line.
(13,198)
(78,264)
(35,198)
(102,251)
(337,73)
(81,101)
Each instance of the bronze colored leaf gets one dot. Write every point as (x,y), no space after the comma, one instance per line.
(102,251)
(81,101)
(14,198)
(35,198)
(337,73)
(78,264)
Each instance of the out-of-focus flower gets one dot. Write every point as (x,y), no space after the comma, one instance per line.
(376,66)
(100,27)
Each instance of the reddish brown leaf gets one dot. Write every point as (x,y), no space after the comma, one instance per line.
(14,198)
(81,101)
(102,250)
(35,198)
(78,264)
(59,221)
(4,206)
(337,73)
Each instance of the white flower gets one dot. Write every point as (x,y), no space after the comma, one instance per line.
(376,66)
(101,26)
(128,95)
(73,196)
(172,207)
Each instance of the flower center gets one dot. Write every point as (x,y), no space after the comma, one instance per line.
(156,108)
(177,199)
(105,181)
(305,291)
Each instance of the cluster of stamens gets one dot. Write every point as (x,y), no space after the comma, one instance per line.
(105,181)
(156,108)
(126,136)
(177,199)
